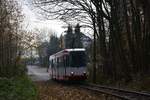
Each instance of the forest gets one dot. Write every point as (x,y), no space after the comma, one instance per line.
(14,83)
(10,19)
(119,49)
(121,35)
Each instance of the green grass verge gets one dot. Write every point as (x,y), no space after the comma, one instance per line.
(20,88)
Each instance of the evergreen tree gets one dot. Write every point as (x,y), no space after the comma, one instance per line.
(53,46)
(69,38)
(78,36)
(48,48)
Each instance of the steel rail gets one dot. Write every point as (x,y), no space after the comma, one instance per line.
(117,92)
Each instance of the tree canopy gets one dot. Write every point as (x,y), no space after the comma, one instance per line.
(120,29)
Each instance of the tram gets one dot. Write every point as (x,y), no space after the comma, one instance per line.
(68,64)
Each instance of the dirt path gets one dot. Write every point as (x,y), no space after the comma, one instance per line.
(55,91)
(37,73)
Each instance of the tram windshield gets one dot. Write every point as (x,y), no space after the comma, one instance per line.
(77,59)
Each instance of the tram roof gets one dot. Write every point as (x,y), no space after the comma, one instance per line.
(62,52)
(76,49)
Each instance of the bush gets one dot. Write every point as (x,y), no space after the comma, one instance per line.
(10,71)
(20,88)
(20,70)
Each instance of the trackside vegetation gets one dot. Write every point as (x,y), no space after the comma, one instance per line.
(17,88)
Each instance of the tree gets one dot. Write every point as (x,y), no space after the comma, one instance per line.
(62,42)
(120,29)
(48,48)
(78,37)
(69,38)
(10,19)
(89,12)
(53,45)
(43,55)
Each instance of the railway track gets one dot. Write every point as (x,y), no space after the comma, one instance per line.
(117,93)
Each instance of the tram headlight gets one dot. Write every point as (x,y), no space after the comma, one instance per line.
(72,73)
(84,73)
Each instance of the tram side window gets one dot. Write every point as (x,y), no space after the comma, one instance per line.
(61,62)
(67,61)
(57,62)
(52,63)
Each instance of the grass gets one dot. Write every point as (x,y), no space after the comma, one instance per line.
(19,88)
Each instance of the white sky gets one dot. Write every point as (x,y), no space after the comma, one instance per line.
(32,21)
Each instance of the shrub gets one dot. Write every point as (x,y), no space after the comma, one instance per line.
(10,71)
(19,88)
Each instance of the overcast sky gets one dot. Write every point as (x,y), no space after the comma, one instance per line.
(33,21)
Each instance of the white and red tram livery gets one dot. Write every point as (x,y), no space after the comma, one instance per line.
(68,64)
